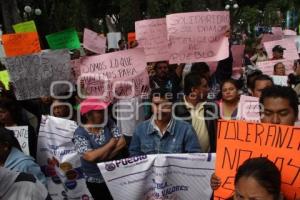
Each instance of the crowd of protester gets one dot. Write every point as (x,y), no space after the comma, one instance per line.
(181,116)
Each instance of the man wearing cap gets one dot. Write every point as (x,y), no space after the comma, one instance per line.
(162,133)
(278,52)
(97,140)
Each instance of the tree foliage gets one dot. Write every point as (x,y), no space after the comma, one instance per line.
(58,15)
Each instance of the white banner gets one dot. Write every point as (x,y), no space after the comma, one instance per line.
(21,133)
(160,177)
(59,160)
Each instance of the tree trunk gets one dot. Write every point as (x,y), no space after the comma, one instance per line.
(10,14)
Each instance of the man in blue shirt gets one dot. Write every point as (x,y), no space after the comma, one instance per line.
(162,133)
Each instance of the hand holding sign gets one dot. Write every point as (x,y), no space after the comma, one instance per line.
(198,36)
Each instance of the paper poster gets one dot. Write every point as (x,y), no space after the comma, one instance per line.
(198,36)
(248,109)
(277,31)
(21,133)
(94,42)
(267,67)
(33,75)
(238,57)
(290,53)
(21,44)
(289,32)
(4,78)
(25,27)
(67,39)
(280,80)
(271,37)
(152,36)
(161,176)
(118,75)
(239,141)
(131,37)
(112,39)
(59,160)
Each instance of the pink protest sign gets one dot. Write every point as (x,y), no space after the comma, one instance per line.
(94,42)
(289,32)
(271,37)
(267,67)
(290,53)
(238,56)
(118,75)
(248,109)
(198,36)
(277,31)
(152,36)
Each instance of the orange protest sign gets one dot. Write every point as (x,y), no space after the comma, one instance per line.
(131,37)
(240,140)
(21,44)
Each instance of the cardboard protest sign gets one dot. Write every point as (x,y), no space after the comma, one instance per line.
(57,156)
(290,53)
(289,32)
(94,42)
(162,176)
(198,36)
(25,27)
(33,75)
(131,37)
(67,39)
(280,80)
(239,141)
(277,31)
(4,78)
(271,37)
(21,44)
(113,39)
(119,74)
(267,67)
(238,57)
(248,109)
(21,133)
(152,36)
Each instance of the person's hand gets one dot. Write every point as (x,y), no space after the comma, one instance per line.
(114,140)
(215,182)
